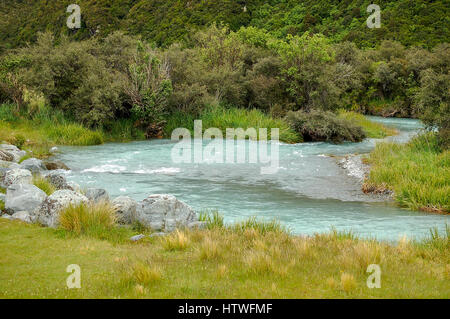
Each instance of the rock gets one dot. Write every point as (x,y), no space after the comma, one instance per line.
(23,197)
(164,213)
(160,234)
(53,149)
(51,166)
(34,165)
(2,197)
(97,194)
(197,225)
(12,150)
(6,156)
(11,165)
(17,176)
(74,186)
(58,180)
(23,216)
(125,209)
(137,237)
(48,212)
(6,216)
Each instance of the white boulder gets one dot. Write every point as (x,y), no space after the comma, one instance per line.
(125,209)
(47,213)
(23,197)
(17,176)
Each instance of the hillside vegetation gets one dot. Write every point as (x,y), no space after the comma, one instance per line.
(411,22)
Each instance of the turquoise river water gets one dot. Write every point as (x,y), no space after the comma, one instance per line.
(309,194)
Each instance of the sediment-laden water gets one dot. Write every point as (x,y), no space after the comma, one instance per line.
(310,193)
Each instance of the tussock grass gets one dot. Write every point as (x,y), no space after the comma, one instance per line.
(348,282)
(418,173)
(222,118)
(213,219)
(97,220)
(178,240)
(43,184)
(372,129)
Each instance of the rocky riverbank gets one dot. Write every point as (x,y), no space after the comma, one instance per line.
(25,201)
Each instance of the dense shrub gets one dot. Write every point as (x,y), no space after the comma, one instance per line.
(324,126)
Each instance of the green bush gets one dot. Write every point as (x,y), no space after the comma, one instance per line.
(324,126)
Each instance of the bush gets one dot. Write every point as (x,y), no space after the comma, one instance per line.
(324,126)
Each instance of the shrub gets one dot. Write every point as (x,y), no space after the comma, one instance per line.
(324,126)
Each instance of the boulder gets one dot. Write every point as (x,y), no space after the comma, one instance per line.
(74,186)
(23,216)
(47,213)
(17,176)
(57,179)
(23,197)
(6,156)
(2,197)
(164,213)
(34,165)
(125,209)
(51,166)
(11,165)
(97,194)
(16,153)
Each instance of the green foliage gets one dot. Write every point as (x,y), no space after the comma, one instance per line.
(324,126)
(213,219)
(412,22)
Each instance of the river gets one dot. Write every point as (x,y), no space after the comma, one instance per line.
(309,194)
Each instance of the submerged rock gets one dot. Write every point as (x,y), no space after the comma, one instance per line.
(17,176)
(48,212)
(52,166)
(34,165)
(23,197)
(164,213)
(125,209)
(97,194)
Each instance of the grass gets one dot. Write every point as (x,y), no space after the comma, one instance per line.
(218,263)
(372,129)
(2,205)
(417,172)
(39,132)
(43,184)
(2,190)
(223,118)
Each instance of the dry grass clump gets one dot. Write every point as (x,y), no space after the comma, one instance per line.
(178,240)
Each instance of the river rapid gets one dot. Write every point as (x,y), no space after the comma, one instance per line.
(309,194)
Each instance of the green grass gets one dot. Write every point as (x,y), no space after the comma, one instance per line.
(39,132)
(223,118)
(2,190)
(372,129)
(43,184)
(418,173)
(218,263)
(2,205)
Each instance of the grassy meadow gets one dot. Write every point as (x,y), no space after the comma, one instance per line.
(250,260)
